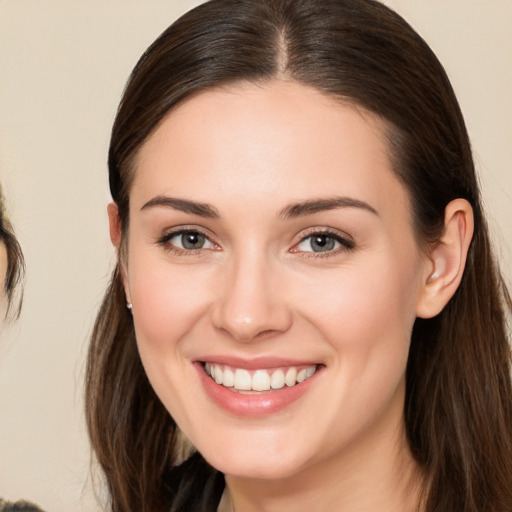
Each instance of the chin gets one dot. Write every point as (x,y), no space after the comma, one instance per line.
(255,464)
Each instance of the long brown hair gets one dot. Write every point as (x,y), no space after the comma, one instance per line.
(15,264)
(458,409)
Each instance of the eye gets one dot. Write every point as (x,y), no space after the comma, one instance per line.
(188,240)
(323,243)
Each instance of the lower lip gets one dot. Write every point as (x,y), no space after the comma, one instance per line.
(253,405)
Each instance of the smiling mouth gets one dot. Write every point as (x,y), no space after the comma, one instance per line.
(241,380)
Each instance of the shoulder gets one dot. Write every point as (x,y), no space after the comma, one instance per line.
(18,506)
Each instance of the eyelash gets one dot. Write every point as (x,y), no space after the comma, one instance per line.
(164,241)
(346,244)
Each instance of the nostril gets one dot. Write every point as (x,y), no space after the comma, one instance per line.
(267,333)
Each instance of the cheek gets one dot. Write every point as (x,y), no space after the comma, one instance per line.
(168,300)
(359,298)
(366,314)
(169,303)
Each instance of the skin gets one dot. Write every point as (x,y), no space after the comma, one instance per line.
(3,272)
(258,289)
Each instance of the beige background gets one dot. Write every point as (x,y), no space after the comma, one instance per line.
(63,65)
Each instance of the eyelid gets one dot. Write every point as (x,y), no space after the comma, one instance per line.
(164,239)
(346,241)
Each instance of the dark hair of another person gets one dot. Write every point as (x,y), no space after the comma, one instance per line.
(15,263)
(458,408)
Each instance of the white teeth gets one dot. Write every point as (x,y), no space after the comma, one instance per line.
(243,380)
(229,378)
(218,374)
(260,380)
(277,379)
(310,371)
(301,376)
(291,377)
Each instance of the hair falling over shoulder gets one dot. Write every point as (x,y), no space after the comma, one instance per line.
(458,410)
(132,434)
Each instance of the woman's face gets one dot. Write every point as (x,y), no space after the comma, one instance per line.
(271,243)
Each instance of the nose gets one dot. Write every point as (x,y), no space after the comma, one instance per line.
(250,303)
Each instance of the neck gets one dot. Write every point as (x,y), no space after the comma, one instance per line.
(376,473)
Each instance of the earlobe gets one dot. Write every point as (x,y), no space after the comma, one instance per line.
(447,259)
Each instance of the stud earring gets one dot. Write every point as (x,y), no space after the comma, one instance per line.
(129,305)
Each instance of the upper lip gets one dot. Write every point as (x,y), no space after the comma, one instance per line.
(255,363)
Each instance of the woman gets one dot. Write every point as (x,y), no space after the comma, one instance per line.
(305,290)
(12,267)
(11,262)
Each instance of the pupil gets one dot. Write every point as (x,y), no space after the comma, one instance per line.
(192,240)
(322,243)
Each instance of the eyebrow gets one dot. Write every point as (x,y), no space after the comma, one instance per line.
(320,205)
(289,212)
(183,205)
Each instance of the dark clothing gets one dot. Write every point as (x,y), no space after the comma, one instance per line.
(195,486)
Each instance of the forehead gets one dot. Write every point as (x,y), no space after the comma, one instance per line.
(282,140)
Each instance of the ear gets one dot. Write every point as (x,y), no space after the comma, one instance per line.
(116,237)
(446,260)
(114,224)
